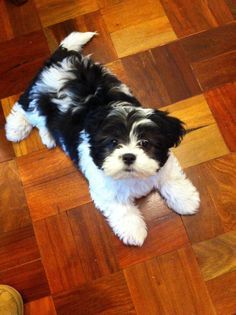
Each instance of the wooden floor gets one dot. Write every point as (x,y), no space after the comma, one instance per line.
(55,248)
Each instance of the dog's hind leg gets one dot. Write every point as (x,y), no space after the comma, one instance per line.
(76,40)
(17,127)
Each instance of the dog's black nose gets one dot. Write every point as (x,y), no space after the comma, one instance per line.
(129,158)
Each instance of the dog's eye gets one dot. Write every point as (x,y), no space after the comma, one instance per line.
(114,143)
(143,143)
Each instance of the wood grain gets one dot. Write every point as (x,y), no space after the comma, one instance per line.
(218,203)
(108,295)
(93,240)
(20,19)
(216,71)
(232,6)
(118,69)
(204,142)
(57,11)
(59,253)
(161,77)
(165,234)
(212,56)
(44,200)
(44,306)
(132,12)
(145,81)
(153,290)
(6,148)
(175,72)
(100,46)
(43,166)
(223,292)
(211,43)
(23,62)
(142,36)
(29,279)
(192,16)
(222,102)
(17,247)
(14,212)
(216,256)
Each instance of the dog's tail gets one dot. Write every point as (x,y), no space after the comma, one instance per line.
(76,40)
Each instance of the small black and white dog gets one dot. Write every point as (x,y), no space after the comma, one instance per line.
(122,148)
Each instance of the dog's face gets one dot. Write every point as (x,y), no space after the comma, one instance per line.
(129,142)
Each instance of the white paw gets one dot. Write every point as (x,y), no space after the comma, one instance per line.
(47,138)
(131,230)
(17,127)
(181,196)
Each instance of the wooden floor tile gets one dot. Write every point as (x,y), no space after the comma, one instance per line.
(14,212)
(161,77)
(222,102)
(57,11)
(29,279)
(108,295)
(217,213)
(60,255)
(205,141)
(100,46)
(44,199)
(206,223)
(192,16)
(6,29)
(18,20)
(223,292)
(211,43)
(212,55)
(175,71)
(41,306)
(93,240)
(216,256)
(117,68)
(217,71)
(6,148)
(132,12)
(43,166)
(17,247)
(153,290)
(232,6)
(21,64)
(165,234)
(142,36)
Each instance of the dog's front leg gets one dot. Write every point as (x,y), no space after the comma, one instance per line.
(178,191)
(125,220)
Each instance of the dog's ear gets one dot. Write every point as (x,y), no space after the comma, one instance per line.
(171,129)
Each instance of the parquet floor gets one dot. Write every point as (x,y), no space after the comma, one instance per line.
(55,248)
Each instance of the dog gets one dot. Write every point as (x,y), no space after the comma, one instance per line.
(122,148)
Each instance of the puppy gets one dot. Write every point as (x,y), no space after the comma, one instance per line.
(122,149)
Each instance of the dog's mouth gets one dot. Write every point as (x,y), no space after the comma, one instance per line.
(129,170)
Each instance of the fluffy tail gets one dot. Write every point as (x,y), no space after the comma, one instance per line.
(76,40)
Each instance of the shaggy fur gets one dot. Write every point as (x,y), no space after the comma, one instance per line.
(122,149)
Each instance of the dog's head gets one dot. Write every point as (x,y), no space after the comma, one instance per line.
(128,141)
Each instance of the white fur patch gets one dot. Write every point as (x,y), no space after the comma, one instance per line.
(76,40)
(17,126)
(180,194)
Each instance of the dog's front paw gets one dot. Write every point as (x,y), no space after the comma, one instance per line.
(181,196)
(131,230)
